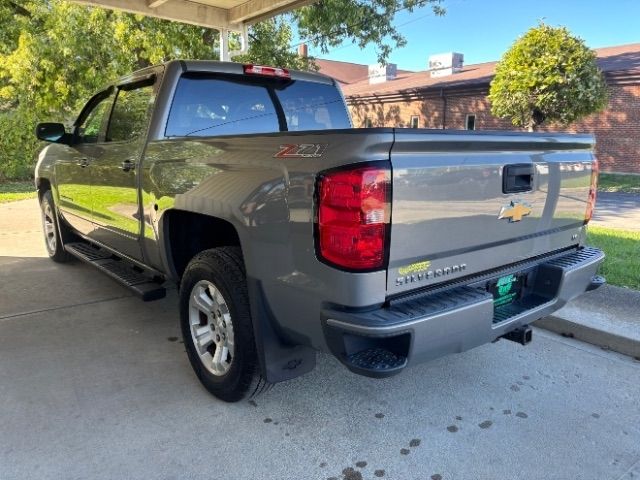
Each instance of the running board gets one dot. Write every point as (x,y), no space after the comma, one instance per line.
(120,270)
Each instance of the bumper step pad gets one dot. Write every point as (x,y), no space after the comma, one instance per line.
(576,259)
(378,359)
(120,270)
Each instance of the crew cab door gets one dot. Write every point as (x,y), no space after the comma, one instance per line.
(114,180)
(73,171)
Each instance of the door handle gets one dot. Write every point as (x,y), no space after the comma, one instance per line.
(517,178)
(127,166)
(83,162)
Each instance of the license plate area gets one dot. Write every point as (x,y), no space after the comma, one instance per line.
(507,289)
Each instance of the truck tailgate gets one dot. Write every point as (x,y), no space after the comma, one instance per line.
(467,202)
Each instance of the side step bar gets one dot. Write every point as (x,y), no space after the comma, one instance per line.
(120,270)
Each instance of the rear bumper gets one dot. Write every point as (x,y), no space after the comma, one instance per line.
(422,327)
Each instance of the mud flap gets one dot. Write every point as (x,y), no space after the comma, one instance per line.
(279,361)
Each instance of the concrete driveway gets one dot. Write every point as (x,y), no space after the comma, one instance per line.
(95,384)
(617,210)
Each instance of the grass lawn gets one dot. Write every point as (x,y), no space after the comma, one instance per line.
(610,182)
(10,192)
(622,247)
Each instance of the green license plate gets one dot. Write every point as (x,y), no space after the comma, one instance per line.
(506,289)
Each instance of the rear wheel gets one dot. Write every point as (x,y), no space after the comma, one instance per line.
(55,232)
(216,323)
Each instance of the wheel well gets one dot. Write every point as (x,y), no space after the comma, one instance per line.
(190,233)
(43,185)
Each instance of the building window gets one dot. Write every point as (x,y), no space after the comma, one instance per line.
(470,122)
(368,123)
(415,121)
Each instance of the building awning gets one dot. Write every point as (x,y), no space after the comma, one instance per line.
(219,14)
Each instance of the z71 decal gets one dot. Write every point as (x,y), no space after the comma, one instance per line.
(302,150)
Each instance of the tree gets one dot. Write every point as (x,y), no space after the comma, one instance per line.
(59,53)
(328,23)
(547,75)
(270,44)
(54,55)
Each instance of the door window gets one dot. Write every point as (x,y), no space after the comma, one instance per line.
(130,113)
(91,127)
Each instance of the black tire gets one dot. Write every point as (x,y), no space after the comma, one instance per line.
(224,269)
(56,232)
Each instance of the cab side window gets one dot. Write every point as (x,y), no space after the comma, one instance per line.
(90,129)
(130,113)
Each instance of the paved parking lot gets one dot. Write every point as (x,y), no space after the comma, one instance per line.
(95,384)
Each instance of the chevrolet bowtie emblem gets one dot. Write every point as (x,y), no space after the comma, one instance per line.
(515,211)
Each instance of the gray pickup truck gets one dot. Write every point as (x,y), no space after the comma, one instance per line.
(288,231)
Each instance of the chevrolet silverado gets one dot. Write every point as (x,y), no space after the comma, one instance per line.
(288,231)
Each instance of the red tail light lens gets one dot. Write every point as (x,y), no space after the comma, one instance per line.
(593,190)
(353,218)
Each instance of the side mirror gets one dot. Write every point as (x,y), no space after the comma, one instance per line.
(50,132)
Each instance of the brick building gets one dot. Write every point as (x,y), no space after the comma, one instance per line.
(459,101)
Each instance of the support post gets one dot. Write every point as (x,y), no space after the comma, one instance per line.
(224,45)
(244,42)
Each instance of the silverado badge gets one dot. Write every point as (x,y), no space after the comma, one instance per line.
(515,211)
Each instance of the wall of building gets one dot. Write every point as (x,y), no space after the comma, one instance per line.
(617,128)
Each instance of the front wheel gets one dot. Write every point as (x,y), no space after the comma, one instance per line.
(216,323)
(54,232)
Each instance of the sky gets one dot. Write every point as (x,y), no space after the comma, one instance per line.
(483,30)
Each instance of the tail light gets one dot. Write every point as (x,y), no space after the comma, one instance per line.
(593,189)
(353,218)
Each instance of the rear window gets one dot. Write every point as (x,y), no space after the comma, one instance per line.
(206,105)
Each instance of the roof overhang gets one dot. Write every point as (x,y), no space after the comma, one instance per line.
(232,15)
